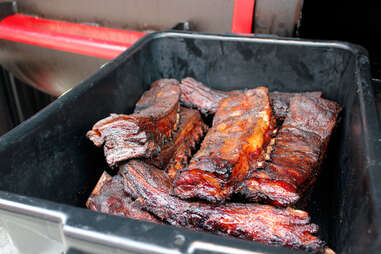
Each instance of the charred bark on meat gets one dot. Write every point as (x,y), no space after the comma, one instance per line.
(109,197)
(146,131)
(195,94)
(175,155)
(241,128)
(261,223)
(297,155)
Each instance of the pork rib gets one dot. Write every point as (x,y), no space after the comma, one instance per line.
(143,133)
(195,94)
(176,153)
(109,197)
(261,223)
(280,102)
(298,152)
(241,128)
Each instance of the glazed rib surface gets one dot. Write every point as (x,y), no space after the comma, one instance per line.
(297,154)
(241,128)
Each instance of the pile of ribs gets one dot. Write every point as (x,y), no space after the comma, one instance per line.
(240,175)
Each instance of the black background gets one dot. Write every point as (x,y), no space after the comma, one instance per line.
(353,21)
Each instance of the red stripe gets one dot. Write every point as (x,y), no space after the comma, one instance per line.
(83,39)
(243,14)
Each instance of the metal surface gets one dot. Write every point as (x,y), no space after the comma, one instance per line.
(56,72)
(207,16)
(81,39)
(18,101)
(243,16)
(278,17)
(51,71)
(49,168)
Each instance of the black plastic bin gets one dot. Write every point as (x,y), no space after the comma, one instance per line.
(48,168)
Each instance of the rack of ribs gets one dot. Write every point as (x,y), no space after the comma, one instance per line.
(195,94)
(262,223)
(242,126)
(297,154)
(109,197)
(146,131)
(175,155)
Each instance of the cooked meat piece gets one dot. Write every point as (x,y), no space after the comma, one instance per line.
(143,133)
(261,223)
(280,102)
(176,153)
(195,94)
(298,152)
(109,197)
(241,128)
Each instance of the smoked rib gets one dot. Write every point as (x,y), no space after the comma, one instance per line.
(109,197)
(261,223)
(280,102)
(297,154)
(146,131)
(195,94)
(175,155)
(241,128)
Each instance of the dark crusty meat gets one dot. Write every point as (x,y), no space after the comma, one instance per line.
(143,133)
(261,223)
(280,102)
(241,128)
(197,95)
(109,197)
(176,153)
(298,151)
